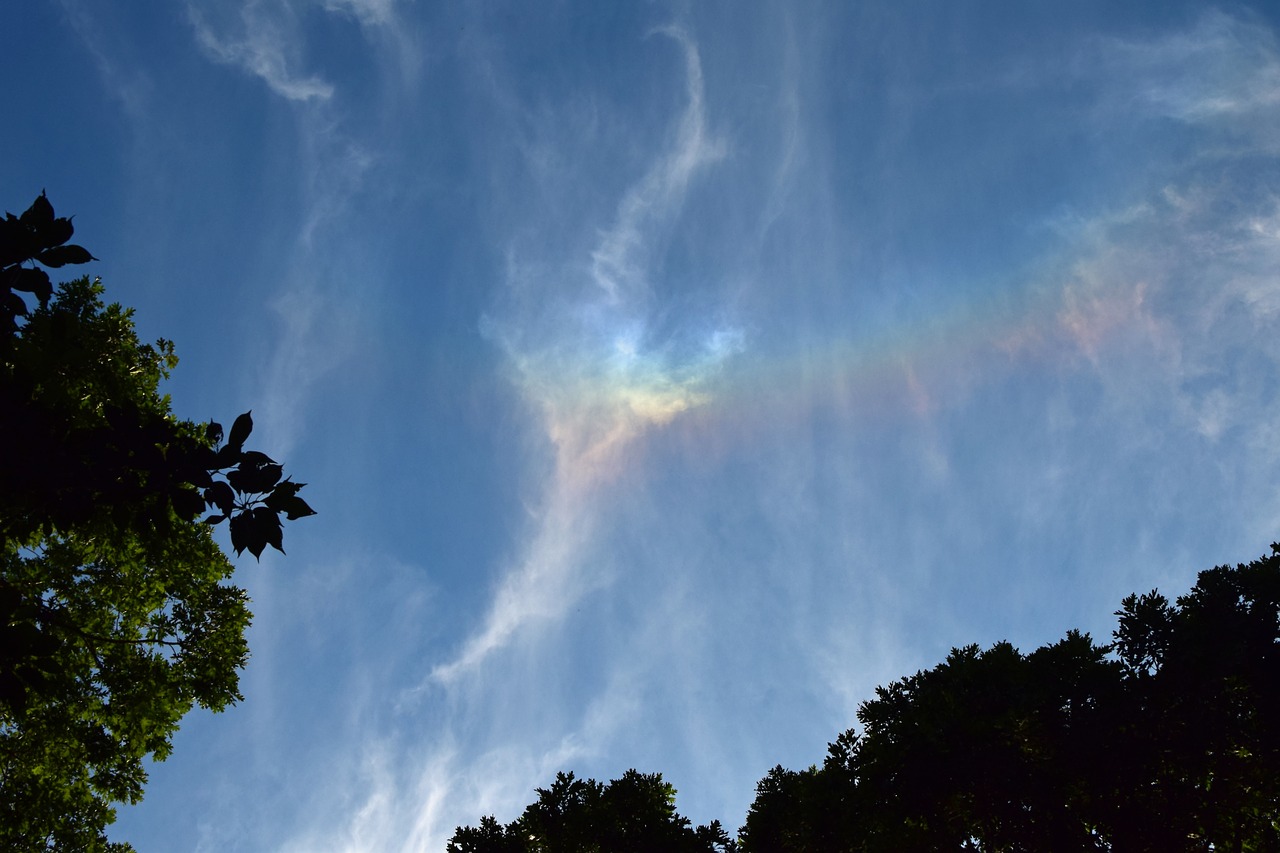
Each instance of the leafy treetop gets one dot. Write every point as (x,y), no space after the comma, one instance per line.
(116,614)
(85,437)
(633,814)
(1164,740)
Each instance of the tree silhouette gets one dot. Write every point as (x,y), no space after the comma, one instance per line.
(1166,740)
(633,814)
(115,614)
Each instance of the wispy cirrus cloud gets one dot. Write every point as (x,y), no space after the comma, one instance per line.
(368,12)
(121,79)
(1223,71)
(710,553)
(263,43)
(596,379)
(268,39)
(337,144)
(843,551)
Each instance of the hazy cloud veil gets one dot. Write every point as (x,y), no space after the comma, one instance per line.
(669,377)
(746,500)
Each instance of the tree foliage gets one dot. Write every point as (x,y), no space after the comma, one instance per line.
(116,615)
(87,432)
(633,814)
(1165,740)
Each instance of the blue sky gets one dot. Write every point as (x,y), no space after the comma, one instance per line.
(666,375)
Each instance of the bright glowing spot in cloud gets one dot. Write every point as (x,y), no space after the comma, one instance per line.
(598,380)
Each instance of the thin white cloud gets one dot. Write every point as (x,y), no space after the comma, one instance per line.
(619,262)
(339,147)
(317,331)
(849,555)
(267,48)
(123,81)
(597,383)
(393,37)
(1224,71)
(541,587)
(802,568)
(594,382)
(368,12)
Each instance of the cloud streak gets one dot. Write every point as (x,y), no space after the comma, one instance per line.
(1223,74)
(738,520)
(267,49)
(596,382)
(1114,303)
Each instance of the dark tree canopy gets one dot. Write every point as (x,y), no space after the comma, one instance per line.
(116,615)
(633,814)
(1166,740)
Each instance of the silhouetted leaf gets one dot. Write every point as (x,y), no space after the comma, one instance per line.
(257,458)
(61,255)
(221,495)
(268,523)
(241,532)
(213,432)
(188,503)
(31,281)
(253,530)
(240,430)
(14,305)
(39,214)
(283,490)
(295,507)
(58,232)
(227,455)
(284,498)
(13,241)
(254,479)
(187,472)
